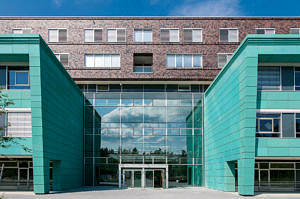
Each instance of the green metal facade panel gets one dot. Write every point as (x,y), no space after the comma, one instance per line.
(56,105)
(230,105)
(14,149)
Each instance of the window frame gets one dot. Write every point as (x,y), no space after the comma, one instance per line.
(57,29)
(269,118)
(93,29)
(238,32)
(105,68)
(116,29)
(22,29)
(227,54)
(184,68)
(59,54)
(178,35)
(22,71)
(143,35)
(295,29)
(265,30)
(201,39)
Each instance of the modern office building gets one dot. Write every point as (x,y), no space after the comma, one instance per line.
(137,119)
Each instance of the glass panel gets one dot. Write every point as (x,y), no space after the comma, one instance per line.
(264,176)
(111,35)
(2,77)
(88,35)
(177,175)
(89,61)
(179,61)
(147,35)
(297,78)
(266,125)
(282,176)
(115,61)
(282,165)
(287,78)
(22,78)
(149,179)
(197,61)
(223,35)
(170,60)
(197,34)
(99,61)
(137,178)
(268,78)
(188,61)
(138,35)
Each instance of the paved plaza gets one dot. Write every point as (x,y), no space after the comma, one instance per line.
(176,193)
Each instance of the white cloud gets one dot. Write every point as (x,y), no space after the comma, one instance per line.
(57,3)
(208,8)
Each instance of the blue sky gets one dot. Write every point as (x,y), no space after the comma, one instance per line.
(150,8)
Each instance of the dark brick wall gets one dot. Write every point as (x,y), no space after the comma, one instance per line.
(208,48)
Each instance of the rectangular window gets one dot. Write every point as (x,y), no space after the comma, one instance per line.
(288,125)
(18,78)
(3,123)
(3,74)
(102,87)
(295,30)
(268,78)
(287,78)
(169,35)
(229,35)
(142,35)
(93,35)
(298,125)
(102,61)
(57,35)
(19,124)
(21,31)
(267,125)
(142,62)
(116,35)
(192,35)
(297,78)
(63,58)
(184,61)
(266,31)
(223,58)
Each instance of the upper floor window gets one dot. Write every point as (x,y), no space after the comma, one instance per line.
(14,77)
(266,31)
(192,35)
(116,35)
(103,61)
(57,35)
(63,58)
(285,78)
(142,35)
(229,35)
(142,62)
(268,125)
(169,35)
(21,30)
(184,61)
(15,124)
(93,35)
(223,58)
(295,30)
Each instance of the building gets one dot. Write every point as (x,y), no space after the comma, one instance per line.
(139,121)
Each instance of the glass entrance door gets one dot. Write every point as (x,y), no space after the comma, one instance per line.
(132,178)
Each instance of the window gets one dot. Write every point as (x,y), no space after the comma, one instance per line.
(63,58)
(19,124)
(21,31)
(295,30)
(268,125)
(266,31)
(184,87)
(93,35)
(229,35)
(268,78)
(285,78)
(184,61)
(18,78)
(142,62)
(298,125)
(142,35)
(169,35)
(192,35)
(102,87)
(2,123)
(57,35)
(3,74)
(223,58)
(116,35)
(102,61)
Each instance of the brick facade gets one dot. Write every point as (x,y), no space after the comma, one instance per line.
(209,47)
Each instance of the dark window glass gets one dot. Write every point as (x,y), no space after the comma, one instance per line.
(268,78)
(266,125)
(154,88)
(297,78)
(282,176)
(172,88)
(62,37)
(91,88)
(115,87)
(2,123)
(264,176)
(132,88)
(260,31)
(223,35)
(2,77)
(288,125)
(287,78)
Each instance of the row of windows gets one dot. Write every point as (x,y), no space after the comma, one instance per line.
(143,61)
(284,125)
(14,77)
(145,35)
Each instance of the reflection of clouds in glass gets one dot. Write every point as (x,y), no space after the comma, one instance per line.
(176,144)
(134,116)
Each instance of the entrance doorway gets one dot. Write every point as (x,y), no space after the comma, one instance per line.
(143,177)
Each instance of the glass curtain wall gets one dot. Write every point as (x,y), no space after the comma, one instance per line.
(143,124)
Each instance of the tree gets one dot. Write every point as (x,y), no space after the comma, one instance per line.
(6,142)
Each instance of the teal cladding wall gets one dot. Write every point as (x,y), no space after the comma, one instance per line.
(56,112)
(230,114)
(61,108)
